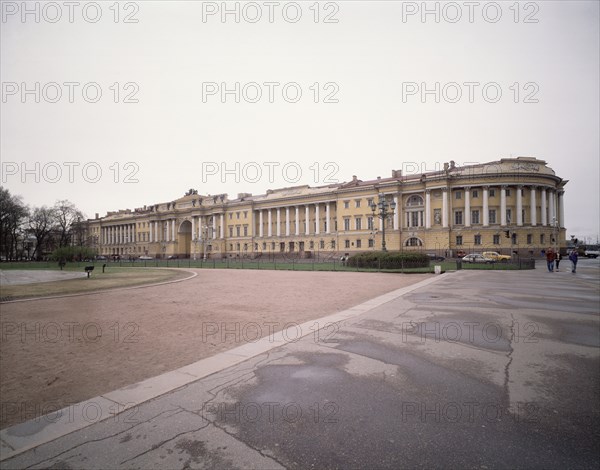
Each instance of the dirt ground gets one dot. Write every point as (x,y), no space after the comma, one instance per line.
(58,352)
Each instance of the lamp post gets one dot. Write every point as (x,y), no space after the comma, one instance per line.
(382,210)
(555,233)
(205,231)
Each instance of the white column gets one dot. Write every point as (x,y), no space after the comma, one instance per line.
(173,229)
(260,223)
(165,230)
(486,210)
(317,221)
(519,205)
(193,228)
(445,207)
(269,224)
(287,221)
(552,201)
(427,208)
(561,209)
(278,219)
(543,208)
(396,213)
(533,207)
(327,218)
(467,207)
(503,205)
(214,230)
(297,220)
(222,227)
(156,236)
(307,221)
(133,232)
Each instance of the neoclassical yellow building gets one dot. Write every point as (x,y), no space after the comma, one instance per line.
(514,205)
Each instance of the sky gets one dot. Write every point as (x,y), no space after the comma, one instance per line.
(116,105)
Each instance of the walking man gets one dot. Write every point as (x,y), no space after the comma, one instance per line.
(573,257)
(550,259)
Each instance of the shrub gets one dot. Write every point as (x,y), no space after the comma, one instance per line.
(388,260)
(73,253)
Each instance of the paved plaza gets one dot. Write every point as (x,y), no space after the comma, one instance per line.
(494,369)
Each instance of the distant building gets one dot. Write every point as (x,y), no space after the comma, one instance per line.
(514,205)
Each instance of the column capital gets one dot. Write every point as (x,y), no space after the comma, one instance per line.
(504,187)
(445,189)
(428,191)
(467,188)
(560,193)
(486,187)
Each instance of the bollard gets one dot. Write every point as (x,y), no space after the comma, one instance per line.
(103,266)
(437,269)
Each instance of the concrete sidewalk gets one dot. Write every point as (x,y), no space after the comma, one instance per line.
(471,369)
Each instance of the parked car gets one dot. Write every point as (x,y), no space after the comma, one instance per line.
(477,258)
(494,255)
(145,258)
(434,257)
(172,257)
(592,253)
(100,258)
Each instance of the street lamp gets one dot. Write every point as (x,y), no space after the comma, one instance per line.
(555,233)
(382,210)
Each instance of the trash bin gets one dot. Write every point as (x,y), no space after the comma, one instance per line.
(437,269)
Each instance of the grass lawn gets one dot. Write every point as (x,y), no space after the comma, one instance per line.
(113,277)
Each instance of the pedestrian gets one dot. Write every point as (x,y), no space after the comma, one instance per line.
(550,259)
(573,257)
(558,257)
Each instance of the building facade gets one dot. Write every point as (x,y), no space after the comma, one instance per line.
(514,205)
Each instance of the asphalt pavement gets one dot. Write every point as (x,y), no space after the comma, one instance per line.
(471,369)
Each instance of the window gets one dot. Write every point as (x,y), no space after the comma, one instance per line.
(458,195)
(245,214)
(459,239)
(496,240)
(371,243)
(369,223)
(357,203)
(231,247)
(523,215)
(414,241)
(475,217)
(358,223)
(508,216)
(346,204)
(311,245)
(414,200)
(458,217)
(237,246)
(414,219)
(346,224)
(347,243)
(333,244)
(264,245)
(492,193)
(477,239)
(370,201)
(358,243)
(237,231)
(529,238)
(508,193)
(245,230)
(237,214)
(230,215)
(322,244)
(475,193)
(492,216)
(542,239)
(230,232)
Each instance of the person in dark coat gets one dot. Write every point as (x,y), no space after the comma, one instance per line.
(574,258)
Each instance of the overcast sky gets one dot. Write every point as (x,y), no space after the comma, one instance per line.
(325,91)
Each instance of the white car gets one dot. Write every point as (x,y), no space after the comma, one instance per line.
(145,258)
(477,258)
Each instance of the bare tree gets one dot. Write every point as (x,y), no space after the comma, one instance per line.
(67,218)
(13,214)
(41,226)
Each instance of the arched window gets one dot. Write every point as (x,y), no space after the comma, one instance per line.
(414,200)
(414,241)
